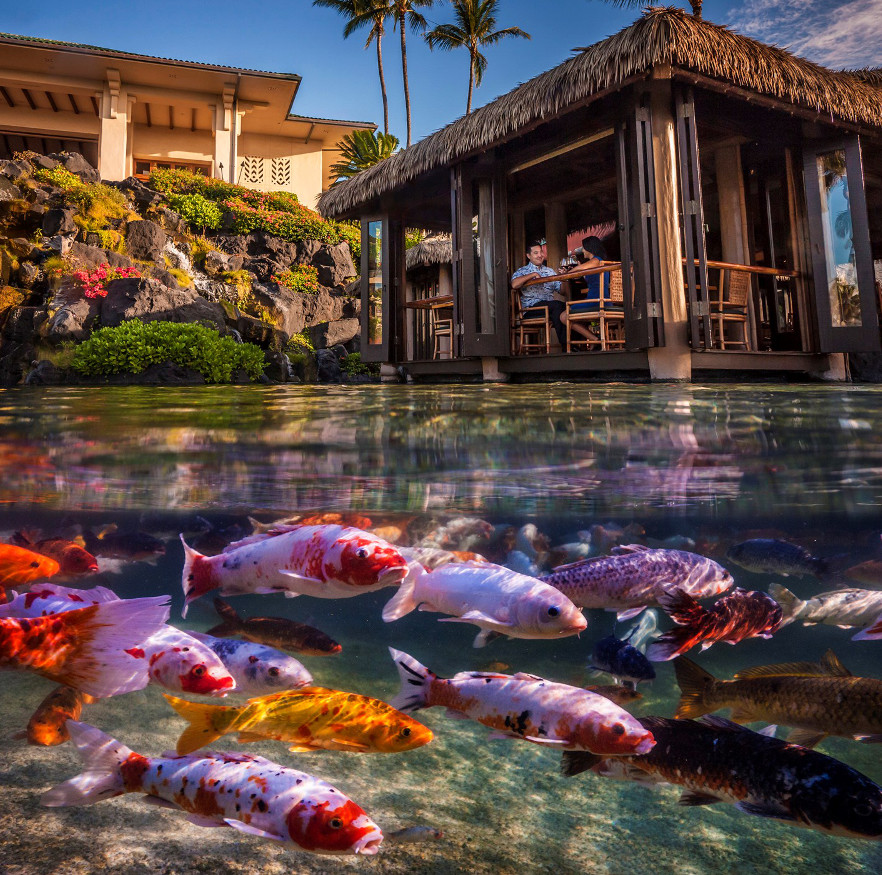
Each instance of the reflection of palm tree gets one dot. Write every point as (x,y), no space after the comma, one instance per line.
(474,29)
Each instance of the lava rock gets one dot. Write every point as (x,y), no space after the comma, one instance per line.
(328,334)
(145,240)
(59,221)
(149,300)
(328,366)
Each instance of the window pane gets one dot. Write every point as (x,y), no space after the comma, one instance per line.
(482,235)
(375,281)
(842,285)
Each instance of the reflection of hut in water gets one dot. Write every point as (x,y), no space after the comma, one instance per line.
(737,247)
(429,273)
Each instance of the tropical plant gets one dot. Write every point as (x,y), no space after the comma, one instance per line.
(640,4)
(361,13)
(302,278)
(360,150)
(474,28)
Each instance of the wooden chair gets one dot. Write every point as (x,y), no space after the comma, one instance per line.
(531,333)
(441,327)
(729,308)
(608,312)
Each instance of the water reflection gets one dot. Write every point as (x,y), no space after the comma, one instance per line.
(549,449)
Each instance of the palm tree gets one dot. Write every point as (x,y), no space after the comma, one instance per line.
(474,29)
(639,4)
(360,150)
(361,13)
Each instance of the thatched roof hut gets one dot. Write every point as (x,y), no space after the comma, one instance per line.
(431,250)
(663,36)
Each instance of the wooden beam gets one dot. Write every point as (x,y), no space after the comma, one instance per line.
(193,119)
(28,98)
(73,104)
(149,120)
(95,106)
(44,146)
(6,97)
(309,134)
(7,146)
(51,100)
(171,118)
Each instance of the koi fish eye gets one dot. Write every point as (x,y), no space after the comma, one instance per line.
(197,671)
(335,823)
(863,810)
(618,729)
(362,553)
(553,611)
(273,672)
(405,733)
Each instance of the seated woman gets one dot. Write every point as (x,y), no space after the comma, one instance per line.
(593,255)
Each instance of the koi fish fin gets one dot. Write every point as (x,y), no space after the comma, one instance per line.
(629,614)
(806,737)
(691,798)
(453,714)
(208,822)
(354,746)
(247,737)
(791,605)
(416,680)
(290,595)
(485,636)
(547,742)
(695,683)
(769,731)
(101,777)
(869,739)
(404,600)
(294,578)
(95,663)
(765,811)
(196,578)
(158,801)
(622,549)
(829,666)
(871,633)
(476,616)
(207,723)
(252,830)
(301,748)
(20,735)
(672,643)
(499,734)
(575,761)
(231,620)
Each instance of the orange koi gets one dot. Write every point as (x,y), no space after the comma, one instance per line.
(19,566)
(47,727)
(70,556)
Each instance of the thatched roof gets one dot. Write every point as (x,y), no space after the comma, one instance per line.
(661,36)
(431,250)
(872,76)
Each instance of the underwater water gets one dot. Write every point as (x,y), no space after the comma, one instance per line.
(700,468)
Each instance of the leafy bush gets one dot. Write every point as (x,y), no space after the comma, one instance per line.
(134,345)
(197,210)
(353,365)
(99,204)
(301,278)
(299,343)
(199,248)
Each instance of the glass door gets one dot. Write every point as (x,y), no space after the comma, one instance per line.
(840,247)
(381,260)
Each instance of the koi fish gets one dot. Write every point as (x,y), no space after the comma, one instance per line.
(82,648)
(70,556)
(128,546)
(622,660)
(274,632)
(412,834)
(492,597)
(322,561)
(248,793)
(524,706)
(19,566)
(311,718)
(817,699)
(734,617)
(715,760)
(256,668)
(174,659)
(774,556)
(635,576)
(845,608)
(46,727)
(868,573)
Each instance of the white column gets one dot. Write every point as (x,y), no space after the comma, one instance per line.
(225,127)
(113,146)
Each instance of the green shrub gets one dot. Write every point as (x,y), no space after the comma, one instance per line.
(197,210)
(353,365)
(131,347)
(99,204)
(240,280)
(299,343)
(301,278)
(199,248)
(61,356)
(182,278)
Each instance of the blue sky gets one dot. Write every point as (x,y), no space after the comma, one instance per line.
(340,77)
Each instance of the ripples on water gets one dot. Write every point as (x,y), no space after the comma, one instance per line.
(710,463)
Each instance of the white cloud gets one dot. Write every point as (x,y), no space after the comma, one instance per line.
(846,35)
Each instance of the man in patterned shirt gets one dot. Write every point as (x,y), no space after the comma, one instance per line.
(540,294)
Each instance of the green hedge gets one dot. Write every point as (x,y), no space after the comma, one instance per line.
(133,346)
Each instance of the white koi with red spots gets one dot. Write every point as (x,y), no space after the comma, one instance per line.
(498,600)
(524,706)
(248,793)
(175,660)
(326,561)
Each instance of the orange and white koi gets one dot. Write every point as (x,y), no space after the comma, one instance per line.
(174,660)
(496,599)
(524,706)
(248,793)
(310,718)
(82,648)
(327,561)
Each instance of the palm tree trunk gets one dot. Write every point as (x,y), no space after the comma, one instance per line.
(471,81)
(401,24)
(383,85)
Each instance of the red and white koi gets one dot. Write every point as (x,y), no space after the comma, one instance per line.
(495,598)
(248,793)
(175,660)
(524,706)
(325,561)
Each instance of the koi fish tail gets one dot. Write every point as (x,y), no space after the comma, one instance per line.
(403,602)
(95,664)
(682,608)
(695,685)
(207,723)
(791,605)
(196,579)
(102,776)
(871,633)
(575,761)
(231,620)
(416,680)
